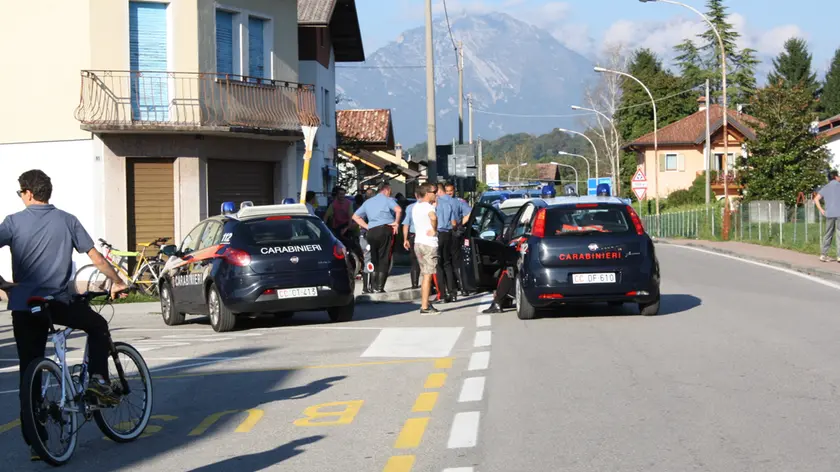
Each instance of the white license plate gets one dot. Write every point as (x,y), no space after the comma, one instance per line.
(604,278)
(297,292)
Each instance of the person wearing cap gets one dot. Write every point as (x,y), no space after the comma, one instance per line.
(383,215)
(446,222)
(408,244)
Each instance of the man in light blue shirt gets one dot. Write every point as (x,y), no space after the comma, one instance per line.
(408,244)
(461,216)
(383,215)
(446,211)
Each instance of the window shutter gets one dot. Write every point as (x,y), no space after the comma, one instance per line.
(663,160)
(680,162)
(256,48)
(147,54)
(224,42)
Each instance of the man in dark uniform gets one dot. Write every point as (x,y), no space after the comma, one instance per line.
(446,213)
(383,216)
(507,276)
(408,244)
(461,216)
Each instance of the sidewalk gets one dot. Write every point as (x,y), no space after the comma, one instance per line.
(805,263)
(397,289)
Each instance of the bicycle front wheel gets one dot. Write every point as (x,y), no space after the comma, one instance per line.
(147,278)
(48,427)
(127,420)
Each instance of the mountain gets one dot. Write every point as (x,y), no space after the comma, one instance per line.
(510,67)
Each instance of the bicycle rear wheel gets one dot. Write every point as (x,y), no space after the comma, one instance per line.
(148,276)
(127,420)
(50,430)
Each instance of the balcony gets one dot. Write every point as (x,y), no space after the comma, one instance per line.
(131,101)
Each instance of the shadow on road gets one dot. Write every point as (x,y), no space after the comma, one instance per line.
(260,460)
(673,303)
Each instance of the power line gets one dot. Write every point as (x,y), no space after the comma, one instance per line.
(448,26)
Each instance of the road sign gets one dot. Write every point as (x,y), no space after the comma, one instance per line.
(639,184)
(592,184)
(491,175)
(640,193)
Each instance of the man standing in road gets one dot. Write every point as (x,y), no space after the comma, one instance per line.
(383,216)
(446,222)
(461,216)
(424,216)
(831,194)
(408,243)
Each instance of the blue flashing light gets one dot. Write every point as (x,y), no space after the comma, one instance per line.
(228,207)
(288,201)
(603,190)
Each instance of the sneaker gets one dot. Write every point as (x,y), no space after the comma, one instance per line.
(430,311)
(102,391)
(824,258)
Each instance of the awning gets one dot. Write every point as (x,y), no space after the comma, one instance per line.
(376,161)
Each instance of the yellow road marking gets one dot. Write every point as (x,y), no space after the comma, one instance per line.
(399,464)
(345,416)
(150,428)
(435,380)
(444,363)
(425,401)
(412,433)
(254,416)
(282,369)
(9,426)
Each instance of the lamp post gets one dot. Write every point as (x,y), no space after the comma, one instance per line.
(563,153)
(655,131)
(594,148)
(617,168)
(725,110)
(577,177)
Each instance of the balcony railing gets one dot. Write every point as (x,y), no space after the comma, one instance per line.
(131,100)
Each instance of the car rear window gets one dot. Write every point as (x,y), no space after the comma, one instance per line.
(270,232)
(576,220)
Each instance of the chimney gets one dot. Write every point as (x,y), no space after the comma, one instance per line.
(701,103)
(398,150)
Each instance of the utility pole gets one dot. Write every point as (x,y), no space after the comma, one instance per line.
(469,104)
(460,92)
(480,162)
(708,149)
(431,138)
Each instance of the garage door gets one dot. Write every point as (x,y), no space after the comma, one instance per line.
(151,201)
(239,181)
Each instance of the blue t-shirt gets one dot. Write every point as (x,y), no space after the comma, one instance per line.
(42,239)
(378,211)
(445,211)
(408,220)
(463,209)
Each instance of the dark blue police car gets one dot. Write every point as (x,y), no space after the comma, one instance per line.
(565,250)
(262,259)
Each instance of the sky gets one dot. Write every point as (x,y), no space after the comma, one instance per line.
(589,26)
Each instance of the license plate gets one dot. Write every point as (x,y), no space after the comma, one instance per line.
(297,292)
(603,278)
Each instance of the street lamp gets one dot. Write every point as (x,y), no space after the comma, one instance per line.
(617,168)
(590,142)
(725,101)
(563,153)
(577,178)
(655,131)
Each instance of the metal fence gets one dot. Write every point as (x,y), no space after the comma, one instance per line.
(773,223)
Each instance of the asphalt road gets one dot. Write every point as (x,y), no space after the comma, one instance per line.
(737,374)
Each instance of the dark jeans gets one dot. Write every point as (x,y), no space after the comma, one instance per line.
(381,239)
(31,333)
(504,289)
(446,267)
(415,265)
(458,259)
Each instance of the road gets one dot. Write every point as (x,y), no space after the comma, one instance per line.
(737,374)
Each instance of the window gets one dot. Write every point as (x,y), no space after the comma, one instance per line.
(270,232)
(327,108)
(256,47)
(672,163)
(719,161)
(224,42)
(212,235)
(523,225)
(190,243)
(565,221)
(243,44)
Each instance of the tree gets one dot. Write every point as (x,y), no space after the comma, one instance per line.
(606,98)
(785,158)
(793,67)
(700,62)
(830,99)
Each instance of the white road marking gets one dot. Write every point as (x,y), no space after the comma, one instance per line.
(482,339)
(482,321)
(413,342)
(810,278)
(479,360)
(472,389)
(485,303)
(464,432)
(459,469)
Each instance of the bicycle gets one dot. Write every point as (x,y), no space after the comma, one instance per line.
(146,275)
(71,384)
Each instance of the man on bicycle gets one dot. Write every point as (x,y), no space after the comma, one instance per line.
(42,239)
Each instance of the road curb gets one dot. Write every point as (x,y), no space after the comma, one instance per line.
(830,276)
(404,295)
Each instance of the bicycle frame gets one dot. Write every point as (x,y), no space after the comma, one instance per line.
(59,340)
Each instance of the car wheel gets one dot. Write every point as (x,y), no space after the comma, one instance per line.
(221,319)
(650,309)
(342,314)
(524,310)
(167,307)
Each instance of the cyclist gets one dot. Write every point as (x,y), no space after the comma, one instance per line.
(42,239)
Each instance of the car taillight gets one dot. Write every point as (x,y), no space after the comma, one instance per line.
(550,296)
(637,222)
(539,224)
(339,252)
(237,257)
(276,218)
(586,205)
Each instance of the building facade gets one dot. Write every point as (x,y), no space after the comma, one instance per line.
(829,130)
(151,113)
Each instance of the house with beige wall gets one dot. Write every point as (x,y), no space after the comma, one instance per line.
(829,129)
(682,147)
(149,114)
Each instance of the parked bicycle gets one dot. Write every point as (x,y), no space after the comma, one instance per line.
(132,391)
(147,271)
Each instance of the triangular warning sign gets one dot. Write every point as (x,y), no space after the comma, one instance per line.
(640,193)
(639,176)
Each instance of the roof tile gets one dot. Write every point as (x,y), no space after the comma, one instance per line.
(692,129)
(367,126)
(315,12)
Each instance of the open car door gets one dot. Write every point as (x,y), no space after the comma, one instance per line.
(482,247)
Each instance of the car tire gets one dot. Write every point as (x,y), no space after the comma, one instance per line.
(167,307)
(221,319)
(524,310)
(342,314)
(649,309)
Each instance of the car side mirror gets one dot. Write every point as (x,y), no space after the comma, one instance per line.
(488,235)
(169,250)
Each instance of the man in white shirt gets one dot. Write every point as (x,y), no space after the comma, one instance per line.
(426,242)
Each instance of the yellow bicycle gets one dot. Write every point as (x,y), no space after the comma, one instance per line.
(147,271)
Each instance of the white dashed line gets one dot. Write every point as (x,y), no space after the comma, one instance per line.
(485,303)
(482,339)
(482,321)
(472,390)
(459,469)
(479,360)
(464,432)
